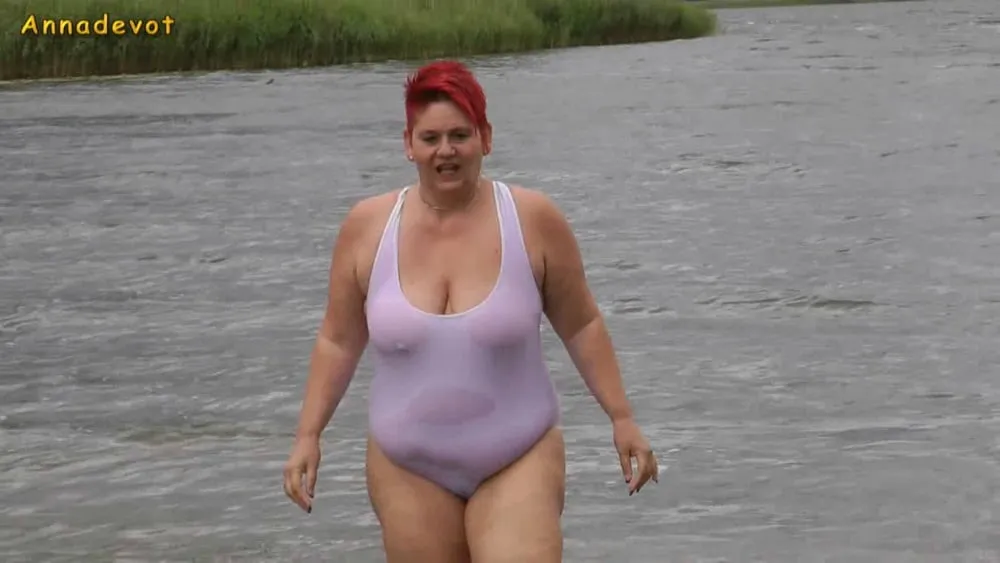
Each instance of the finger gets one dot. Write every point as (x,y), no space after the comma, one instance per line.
(292,493)
(626,462)
(294,485)
(286,485)
(652,469)
(640,474)
(311,482)
(642,461)
(304,495)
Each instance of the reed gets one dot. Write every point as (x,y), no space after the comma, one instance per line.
(255,34)
(726,4)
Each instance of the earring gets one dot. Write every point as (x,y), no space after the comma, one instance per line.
(409,157)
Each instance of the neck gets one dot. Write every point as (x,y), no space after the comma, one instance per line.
(450,200)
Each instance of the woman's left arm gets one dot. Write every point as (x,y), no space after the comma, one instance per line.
(573,312)
(574,315)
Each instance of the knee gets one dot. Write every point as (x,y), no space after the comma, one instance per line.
(411,544)
(538,544)
(526,532)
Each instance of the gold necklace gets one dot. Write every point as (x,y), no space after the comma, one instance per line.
(475,194)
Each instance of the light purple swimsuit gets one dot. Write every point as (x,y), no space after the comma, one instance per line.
(456,398)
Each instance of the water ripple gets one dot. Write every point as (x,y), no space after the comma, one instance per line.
(791,228)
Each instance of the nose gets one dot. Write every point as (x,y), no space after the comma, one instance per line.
(446,148)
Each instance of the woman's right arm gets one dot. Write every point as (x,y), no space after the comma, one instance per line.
(343,334)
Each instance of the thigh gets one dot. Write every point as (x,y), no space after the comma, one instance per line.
(515,516)
(421,522)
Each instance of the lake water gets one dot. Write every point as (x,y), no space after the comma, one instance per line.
(793,228)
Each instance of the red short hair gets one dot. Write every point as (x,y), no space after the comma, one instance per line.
(446,80)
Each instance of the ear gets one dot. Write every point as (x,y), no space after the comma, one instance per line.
(486,135)
(408,143)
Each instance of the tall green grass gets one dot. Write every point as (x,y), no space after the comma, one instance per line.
(254,34)
(724,4)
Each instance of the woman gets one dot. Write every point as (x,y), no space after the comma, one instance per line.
(449,279)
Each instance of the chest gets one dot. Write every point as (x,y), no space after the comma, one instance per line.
(466,255)
(462,252)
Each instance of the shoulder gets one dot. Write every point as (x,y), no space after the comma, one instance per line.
(361,228)
(367,216)
(360,233)
(537,207)
(541,215)
(371,209)
(563,279)
(531,200)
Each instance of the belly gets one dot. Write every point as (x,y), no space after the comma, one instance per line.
(458,432)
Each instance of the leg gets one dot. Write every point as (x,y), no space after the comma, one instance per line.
(421,522)
(515,516)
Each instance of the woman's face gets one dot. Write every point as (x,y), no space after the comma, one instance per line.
(446,147)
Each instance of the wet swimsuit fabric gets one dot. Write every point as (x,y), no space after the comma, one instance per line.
(457,397)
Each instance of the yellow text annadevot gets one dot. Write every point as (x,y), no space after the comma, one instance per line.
(100,26)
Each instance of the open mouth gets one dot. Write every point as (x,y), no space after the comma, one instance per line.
(447,168)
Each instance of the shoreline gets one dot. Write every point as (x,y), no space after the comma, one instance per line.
(748,4)
(275,35)
(280,34)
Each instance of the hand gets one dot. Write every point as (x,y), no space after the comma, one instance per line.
(303,462)
(630,443)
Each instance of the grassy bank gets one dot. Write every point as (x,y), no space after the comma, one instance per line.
(254,34)
(723,4)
